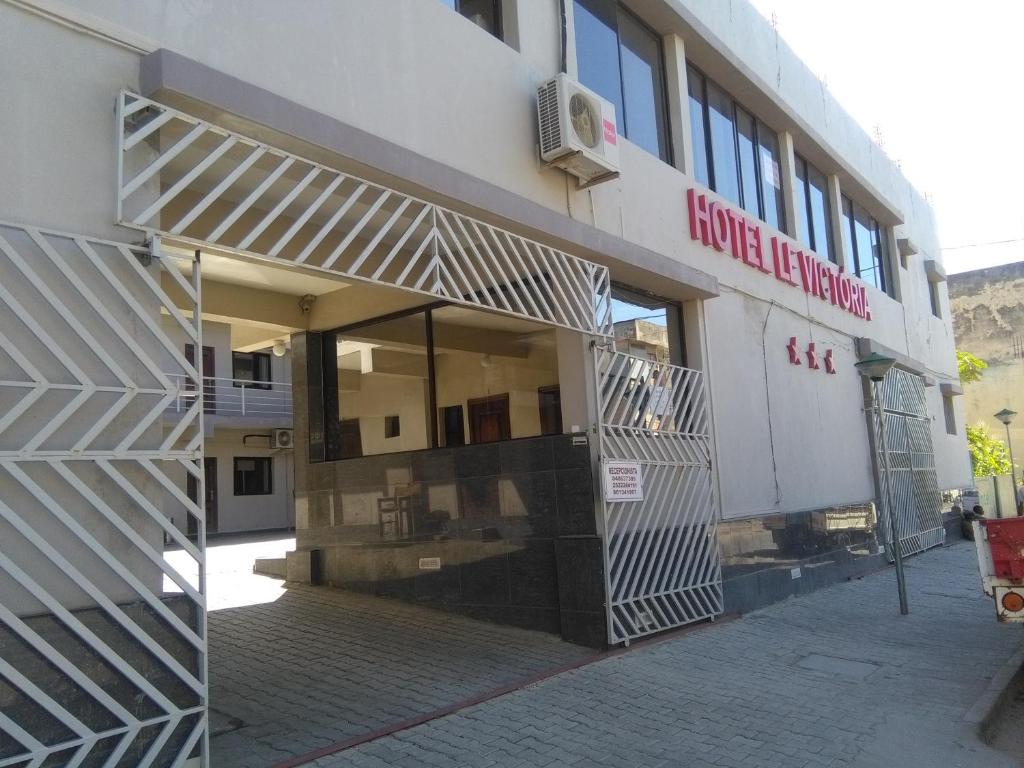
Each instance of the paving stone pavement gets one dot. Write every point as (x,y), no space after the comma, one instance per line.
(834,678)
(316,666)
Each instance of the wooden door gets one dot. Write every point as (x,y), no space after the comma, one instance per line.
(489,419)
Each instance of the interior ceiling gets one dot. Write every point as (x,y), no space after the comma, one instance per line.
(263,275)
(474,318)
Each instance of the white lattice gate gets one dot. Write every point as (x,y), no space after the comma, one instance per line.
(661,554)
(102,643)
(915,493)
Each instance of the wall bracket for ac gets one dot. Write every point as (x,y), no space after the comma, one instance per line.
(580,183)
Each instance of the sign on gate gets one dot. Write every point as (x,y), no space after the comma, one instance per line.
(623,481)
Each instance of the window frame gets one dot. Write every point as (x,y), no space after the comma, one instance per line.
(759,127)
(499,26)
(254,383)
(667,152)
(808,208)
(239,484)
(884,265)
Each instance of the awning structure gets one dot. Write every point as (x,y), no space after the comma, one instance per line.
(186,179)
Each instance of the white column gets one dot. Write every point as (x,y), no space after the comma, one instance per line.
(678,103)
(787,163)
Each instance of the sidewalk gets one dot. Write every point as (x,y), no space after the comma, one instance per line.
(834,678)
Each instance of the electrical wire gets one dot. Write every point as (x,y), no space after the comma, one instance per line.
(982,245)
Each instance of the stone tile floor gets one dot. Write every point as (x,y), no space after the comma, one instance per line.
(834,678)
(304,667)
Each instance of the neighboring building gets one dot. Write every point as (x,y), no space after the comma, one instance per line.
(363,179)
(247,410)
(987,307)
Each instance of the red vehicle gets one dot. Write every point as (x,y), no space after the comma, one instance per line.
(1000,545)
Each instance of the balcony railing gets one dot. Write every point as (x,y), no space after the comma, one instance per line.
(235,397)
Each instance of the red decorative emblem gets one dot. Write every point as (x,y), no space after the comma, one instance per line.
(794,352)
(830,366)
(812,357)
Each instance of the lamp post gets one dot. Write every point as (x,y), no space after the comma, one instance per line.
(874,367)
(1006,416)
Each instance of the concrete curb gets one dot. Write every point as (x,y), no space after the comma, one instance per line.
(983,712)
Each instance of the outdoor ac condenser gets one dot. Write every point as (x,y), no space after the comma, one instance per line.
(577,130)
(282,438)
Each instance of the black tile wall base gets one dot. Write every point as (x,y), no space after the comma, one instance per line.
(504,532)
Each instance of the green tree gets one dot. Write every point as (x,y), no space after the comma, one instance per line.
(969,366)
(989,456)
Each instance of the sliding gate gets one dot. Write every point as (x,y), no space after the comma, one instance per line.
(661,552)
(912,480)
(102,642)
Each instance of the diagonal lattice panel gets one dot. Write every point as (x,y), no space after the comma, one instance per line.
(195,181)
(102,641)
(916,502)
(661,553)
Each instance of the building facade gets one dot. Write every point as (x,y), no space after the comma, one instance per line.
(987,307)
(602,410)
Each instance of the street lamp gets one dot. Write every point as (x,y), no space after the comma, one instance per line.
(874,367)
(1006,416)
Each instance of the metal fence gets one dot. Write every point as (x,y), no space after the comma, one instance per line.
(661,553)
(235,397)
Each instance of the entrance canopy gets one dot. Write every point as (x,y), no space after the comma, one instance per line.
(187,179)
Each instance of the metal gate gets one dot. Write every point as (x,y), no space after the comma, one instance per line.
(661,553)
(912,480)
(102,643)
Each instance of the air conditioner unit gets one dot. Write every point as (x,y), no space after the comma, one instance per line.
(282,438)
(577,131)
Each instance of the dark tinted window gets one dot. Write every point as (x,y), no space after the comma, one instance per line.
(620,59)
(254,475)
(486,14)
(723,144)
(734,153)
(771,177)
(695,84)
(814,226)
(747,145)
(866,251)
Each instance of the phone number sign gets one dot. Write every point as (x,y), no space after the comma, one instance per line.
(623,481)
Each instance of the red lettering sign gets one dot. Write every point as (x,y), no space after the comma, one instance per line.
(718,226)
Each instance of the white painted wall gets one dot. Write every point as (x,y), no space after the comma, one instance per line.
(388,67)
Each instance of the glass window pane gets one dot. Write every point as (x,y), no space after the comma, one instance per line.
(382,373)
(723,144)
(771,178)
(695,84)
(821,213)
(848,236)
(862,234)
(493,369)
(483,13)
(748,161)
(597,51)
(642,86)
(878,252)
(803,228)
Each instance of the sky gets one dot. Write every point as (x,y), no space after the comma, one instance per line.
(941,80)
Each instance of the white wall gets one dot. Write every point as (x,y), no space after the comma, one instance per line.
(251,513)
(389,67)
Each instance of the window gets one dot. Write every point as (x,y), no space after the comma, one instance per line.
(734,153)
(647,326)
(486,14)
(815,219)
(933,297)
(950,414)
(550,401)
(866,249)
(619,58)
(444,376)
(251,369)
(254,475)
